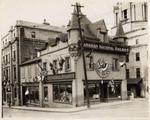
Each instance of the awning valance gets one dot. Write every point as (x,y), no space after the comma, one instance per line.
(134,80)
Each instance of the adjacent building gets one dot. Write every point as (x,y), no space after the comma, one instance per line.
(134,19)
(19,45)
(56,77)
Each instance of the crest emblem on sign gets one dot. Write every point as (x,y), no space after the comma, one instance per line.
(102,68)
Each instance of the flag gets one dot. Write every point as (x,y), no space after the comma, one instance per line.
(61,62)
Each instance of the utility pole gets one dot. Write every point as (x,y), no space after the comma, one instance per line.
(79,16)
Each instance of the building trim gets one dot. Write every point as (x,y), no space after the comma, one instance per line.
(38,28)
(137,35)
(36,60)
(54,51)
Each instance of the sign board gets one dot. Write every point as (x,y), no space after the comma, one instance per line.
(64,76)
(102,47)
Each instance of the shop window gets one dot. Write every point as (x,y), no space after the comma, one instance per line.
(93,91)
(33,35)
(33,96)
(125,14)
(67,64)
(115,64)
(138,75)
(45,93)
(138,56)
(62,93)
(127,73)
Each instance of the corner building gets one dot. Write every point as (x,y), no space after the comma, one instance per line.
(64,84)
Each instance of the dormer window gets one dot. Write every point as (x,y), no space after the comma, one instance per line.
(33,35)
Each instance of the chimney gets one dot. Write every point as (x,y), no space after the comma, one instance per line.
(46,23)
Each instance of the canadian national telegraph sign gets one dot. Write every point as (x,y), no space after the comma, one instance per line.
(105,47)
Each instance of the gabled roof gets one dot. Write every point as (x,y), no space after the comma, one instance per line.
(40,26)
(90,29)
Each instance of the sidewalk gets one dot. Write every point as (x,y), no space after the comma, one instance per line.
(75,109)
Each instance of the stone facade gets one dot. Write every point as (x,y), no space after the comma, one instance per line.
(135,24)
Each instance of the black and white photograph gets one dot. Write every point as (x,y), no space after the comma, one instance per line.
(74,59)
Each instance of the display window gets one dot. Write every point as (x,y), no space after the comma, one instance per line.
(62,93)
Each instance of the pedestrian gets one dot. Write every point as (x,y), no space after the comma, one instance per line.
(9,101)
(26,97)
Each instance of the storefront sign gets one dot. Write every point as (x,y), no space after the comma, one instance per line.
(98,46)
(61,76)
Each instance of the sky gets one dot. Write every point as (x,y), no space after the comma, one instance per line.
(56,12)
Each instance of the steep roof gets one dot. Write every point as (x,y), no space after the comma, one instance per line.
(40,26)
(90,29)
(120,31)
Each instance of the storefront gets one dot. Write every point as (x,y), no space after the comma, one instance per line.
(30,94)
(103,90)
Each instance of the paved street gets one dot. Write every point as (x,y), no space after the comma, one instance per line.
(134,110)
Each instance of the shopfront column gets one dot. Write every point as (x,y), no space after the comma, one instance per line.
(124,89)
(74,93)
(50,94)
(41,93)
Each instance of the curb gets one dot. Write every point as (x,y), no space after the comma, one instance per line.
(72,110)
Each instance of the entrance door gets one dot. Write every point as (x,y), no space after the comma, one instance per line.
(23,95)
(104,92)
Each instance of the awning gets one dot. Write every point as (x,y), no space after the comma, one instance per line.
(134,80)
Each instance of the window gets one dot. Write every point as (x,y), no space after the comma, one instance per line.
(137,41)
(116,18)
(90,65)
(127,58)
(33,35)
(14,55)
(62,93)
(115,64)
(134,13)
(125,14)
(14,73)
(127,73)
(29,71)
(138,75)
(23,72)
(15,92)
(45,93)
(138,56)
(8,58)
(145,11)
(67,63)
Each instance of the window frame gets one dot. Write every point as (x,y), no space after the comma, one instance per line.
(137,56)
(138,73)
